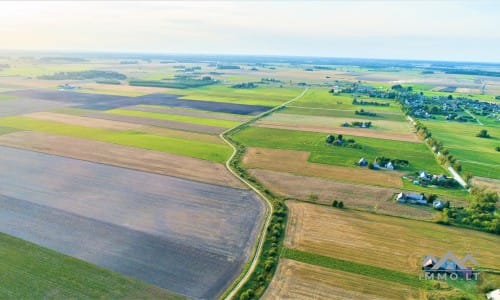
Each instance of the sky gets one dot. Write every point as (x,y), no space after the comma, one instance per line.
(435,30)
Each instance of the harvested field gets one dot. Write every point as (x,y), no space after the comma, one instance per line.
(158,123)
(188,112)
(365,197)
(83,121)
(297,280)
(23,106)
(489,183)
(123,156)
(382,241)
(383,129)
(188,237)
(295,162)
(107,102)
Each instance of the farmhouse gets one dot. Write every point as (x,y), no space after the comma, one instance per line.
(412,198)
(424,175)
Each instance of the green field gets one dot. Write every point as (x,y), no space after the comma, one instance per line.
(191,148)
(352,267)
(320,98)
(267,96)
(5,130)
(419,156)
(173,117)
(477,155)
(311,111)
(28,271)
(37,68)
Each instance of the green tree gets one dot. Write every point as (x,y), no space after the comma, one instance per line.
(335,203)
(341,204)
(483,134)
(330,139)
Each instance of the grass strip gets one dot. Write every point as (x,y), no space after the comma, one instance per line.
(352,267)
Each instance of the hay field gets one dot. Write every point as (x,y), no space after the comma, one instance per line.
(296,162)
(357,196)
(297,280)
(123,156)
(489,183)
(382,241)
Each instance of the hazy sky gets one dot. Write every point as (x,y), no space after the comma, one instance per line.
(445,30)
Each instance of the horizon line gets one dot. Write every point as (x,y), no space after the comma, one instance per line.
(54,51)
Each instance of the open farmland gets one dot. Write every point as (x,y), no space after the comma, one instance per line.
(489,183)
(336,113)
(189,112)
(49,275)
(82,121)
(198,149)
(139,224)
(297,280)
(355,236)
(477,155)
(357,196)
(418,155)
(296,162)
(189,127)
(321,98)
(175,117)
(262,96)
(106,102)
(381,129)
(123,156)
(11,107)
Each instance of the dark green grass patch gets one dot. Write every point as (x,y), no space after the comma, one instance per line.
(353,267)
(417,154)
(28,271)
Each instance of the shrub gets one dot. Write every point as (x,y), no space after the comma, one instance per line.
(335,203)
(341,204)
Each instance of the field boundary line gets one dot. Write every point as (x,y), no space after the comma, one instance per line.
(251,265)
(336,109)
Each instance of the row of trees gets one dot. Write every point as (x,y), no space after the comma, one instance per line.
(481,213)
(373,103)
(443,154)
(81,75)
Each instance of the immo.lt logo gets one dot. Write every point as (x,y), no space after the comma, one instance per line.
(449,267)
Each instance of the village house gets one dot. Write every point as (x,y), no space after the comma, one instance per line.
(412,198)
